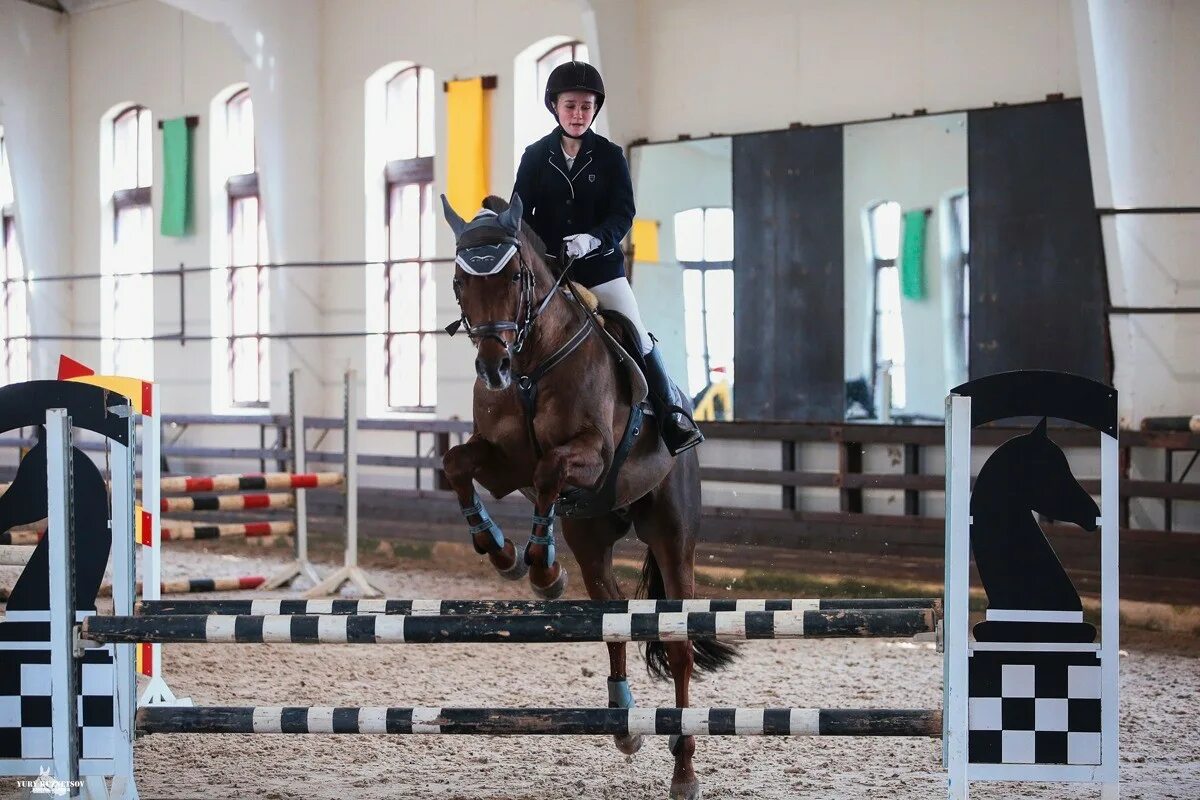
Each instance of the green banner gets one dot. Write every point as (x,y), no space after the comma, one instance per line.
(912,255)
(177,178)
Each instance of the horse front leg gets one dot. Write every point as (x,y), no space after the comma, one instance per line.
(579,462)
(478,459)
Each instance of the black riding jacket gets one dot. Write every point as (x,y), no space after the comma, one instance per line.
(594,197)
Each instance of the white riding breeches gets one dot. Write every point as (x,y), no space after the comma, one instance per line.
(617,295)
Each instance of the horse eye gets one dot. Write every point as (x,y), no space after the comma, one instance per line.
(516,277)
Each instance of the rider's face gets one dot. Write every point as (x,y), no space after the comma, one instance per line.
(575,111)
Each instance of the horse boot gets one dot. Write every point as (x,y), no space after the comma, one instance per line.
(558,584)
(487,525)
(619,696)
(678,430)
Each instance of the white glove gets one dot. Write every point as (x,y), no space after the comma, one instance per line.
(580,244)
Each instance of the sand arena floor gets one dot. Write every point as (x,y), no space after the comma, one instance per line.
(1160,687)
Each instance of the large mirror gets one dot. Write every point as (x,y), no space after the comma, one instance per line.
(906,249)
(903,206)
(683,263)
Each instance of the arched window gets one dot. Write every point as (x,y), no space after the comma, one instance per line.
(127,252)
(241,296)
(882,232)
(403,292)
(704,249)
(14,317)
(531,67)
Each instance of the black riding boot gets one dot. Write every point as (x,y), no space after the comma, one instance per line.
(675,424)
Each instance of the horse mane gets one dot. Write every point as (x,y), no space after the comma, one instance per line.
(500,205)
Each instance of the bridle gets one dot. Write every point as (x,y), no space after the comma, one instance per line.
(520,325)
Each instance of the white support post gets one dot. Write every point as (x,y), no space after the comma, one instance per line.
(124,579)
(957,588)
(157,692)
(1110,614)
(300,567)
(64,690)
(350,571)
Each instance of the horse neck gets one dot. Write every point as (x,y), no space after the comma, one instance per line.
(556,325)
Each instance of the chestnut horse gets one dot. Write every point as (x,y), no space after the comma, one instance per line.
(557,415)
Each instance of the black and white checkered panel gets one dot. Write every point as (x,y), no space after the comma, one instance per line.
(1033,707)
(25,718)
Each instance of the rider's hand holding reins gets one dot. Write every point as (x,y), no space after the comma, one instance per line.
(578,245)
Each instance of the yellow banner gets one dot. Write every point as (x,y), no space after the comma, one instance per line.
(645,240)
(468,122)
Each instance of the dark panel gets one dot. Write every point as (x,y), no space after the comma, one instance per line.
(787,199)
(1038,288)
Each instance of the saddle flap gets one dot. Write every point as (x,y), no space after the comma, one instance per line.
(628,353)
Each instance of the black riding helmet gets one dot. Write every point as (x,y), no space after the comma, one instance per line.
(574,76)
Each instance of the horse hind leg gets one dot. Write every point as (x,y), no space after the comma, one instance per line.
(592,542)
(477,459)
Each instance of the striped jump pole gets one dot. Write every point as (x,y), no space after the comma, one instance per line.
(24,537)
(544,721)
(251,483)
(194,585)
(395,629)
(514,607)
(228,502)
(176,530)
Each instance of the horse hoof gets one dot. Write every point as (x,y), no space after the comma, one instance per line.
(628,744)
(517,571)
(686,790)
(554,590)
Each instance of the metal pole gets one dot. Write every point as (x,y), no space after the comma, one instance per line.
(60,537)
(300,566)
(351,466)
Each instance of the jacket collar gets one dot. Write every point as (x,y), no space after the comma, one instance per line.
(586,145)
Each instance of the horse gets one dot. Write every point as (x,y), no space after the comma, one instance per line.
(1017,566)
(558,417)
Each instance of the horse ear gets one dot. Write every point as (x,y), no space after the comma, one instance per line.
(511,218)
(1040,430)
(452,217)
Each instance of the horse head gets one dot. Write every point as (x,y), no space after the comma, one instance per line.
(1044,480)
(498,277)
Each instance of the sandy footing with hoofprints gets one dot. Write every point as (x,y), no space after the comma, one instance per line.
(1160,736)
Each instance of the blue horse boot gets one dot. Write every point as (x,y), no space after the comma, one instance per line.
(487,524)
(619,696)
(558,585)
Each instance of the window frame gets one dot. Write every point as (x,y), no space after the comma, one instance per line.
(399,174)
(239,188)
(123,200)
(704,267)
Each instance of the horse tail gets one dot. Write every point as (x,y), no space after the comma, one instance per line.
(710,655)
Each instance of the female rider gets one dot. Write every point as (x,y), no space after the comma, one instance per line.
(576,189)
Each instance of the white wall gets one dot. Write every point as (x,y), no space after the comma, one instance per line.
(36,116)
(1141,90)
(774,62)
(173,63)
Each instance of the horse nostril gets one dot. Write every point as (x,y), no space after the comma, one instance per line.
(505,365)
